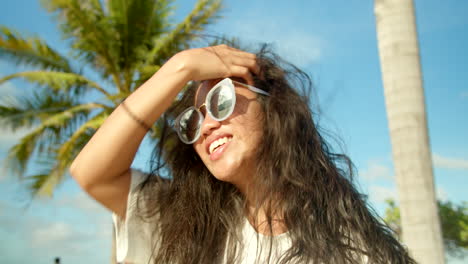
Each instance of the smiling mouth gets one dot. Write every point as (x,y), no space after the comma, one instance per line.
(218,143)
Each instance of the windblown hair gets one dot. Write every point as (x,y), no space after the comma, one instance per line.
(198,218)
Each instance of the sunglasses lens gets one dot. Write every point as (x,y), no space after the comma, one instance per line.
(189,125)
(221,102)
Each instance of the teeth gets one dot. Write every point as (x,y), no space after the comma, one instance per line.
(218,142)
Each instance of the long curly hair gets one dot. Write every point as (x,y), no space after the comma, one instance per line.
(199,219)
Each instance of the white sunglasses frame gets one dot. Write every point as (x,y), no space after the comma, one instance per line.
(229,83)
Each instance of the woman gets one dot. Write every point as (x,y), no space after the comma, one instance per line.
(251,179)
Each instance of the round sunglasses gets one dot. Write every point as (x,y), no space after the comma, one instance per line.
(219,102)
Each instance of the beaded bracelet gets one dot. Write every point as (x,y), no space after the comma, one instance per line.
(134,117)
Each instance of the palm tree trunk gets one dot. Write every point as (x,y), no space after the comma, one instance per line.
(404,98)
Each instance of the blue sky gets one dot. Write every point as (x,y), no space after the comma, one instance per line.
(335,42)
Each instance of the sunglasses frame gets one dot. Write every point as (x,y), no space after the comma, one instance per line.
(230,84)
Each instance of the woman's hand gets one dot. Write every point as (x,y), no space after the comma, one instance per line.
(217,62)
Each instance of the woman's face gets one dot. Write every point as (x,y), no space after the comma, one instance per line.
(228,148)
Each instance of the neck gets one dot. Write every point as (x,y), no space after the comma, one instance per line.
(258,218)
(258,209)
(266,217)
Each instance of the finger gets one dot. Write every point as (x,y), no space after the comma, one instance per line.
(244,54)
(237,52)
(252,60)
(242,72)
(246,62)
(255,68)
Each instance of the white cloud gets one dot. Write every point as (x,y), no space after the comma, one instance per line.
(441,194)
(56,232)
(84,205)
(299,48)
(376,171)
(46,230)
(449,162)
(81,201)
(293,43)
(378,194)
(71,225)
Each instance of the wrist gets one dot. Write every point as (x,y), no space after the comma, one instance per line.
(180,64)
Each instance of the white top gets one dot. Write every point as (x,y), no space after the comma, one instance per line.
(133,236)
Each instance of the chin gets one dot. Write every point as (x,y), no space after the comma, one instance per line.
(233,171)
(225,178)
(224,174)
(224,169)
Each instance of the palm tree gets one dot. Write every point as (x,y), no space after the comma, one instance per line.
(404,97)
(114,47)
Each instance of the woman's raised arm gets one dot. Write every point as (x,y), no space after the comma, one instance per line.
(102,168)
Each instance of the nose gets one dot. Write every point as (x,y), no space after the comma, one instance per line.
(208,125)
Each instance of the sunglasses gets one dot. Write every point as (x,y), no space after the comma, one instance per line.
(219,102)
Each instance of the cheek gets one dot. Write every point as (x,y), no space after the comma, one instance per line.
(198,146)
(249,126)
(249,117)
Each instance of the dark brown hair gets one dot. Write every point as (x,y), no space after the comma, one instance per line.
(196,216)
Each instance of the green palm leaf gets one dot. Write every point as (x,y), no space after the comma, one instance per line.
(43,184)
(137,22)
(123,42)
(30,51)
(203,14)
(69,149)
(58,81)
(42,138)
(37,181)
(28,111)
(117,98)
(91,33)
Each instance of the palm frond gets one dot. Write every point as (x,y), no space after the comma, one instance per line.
(204,13)
(44,185)
(124,41)
(30,110)
(117,98)
(43,174)
(46,180)
(58,81)
(30,51)
(69,149)
(85,25)
(42,138)
(136,23)
(37,181)
(53,166)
